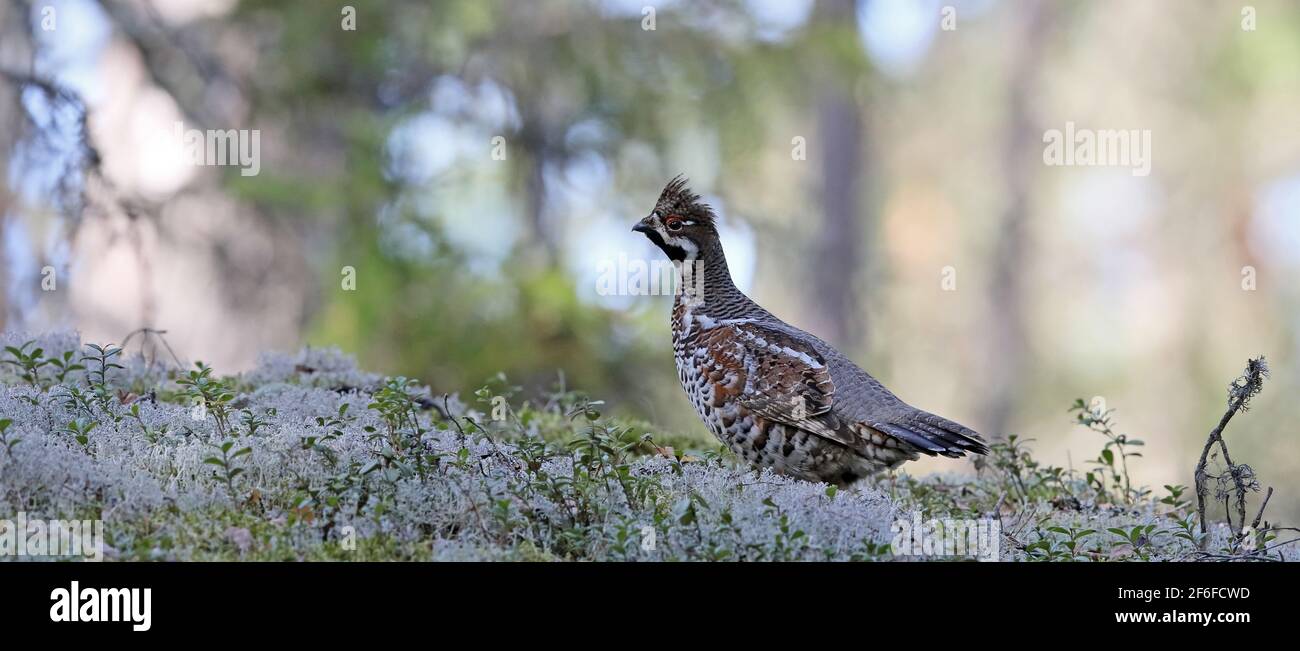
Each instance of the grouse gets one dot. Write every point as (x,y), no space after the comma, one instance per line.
(775,395)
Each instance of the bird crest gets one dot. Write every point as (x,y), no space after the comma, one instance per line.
(678,199)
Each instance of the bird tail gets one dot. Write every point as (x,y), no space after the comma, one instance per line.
(934,435)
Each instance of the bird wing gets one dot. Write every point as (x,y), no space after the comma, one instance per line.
(782,377)
(778,377)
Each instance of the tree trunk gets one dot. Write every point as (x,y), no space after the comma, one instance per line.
(1020,156)
(837,251)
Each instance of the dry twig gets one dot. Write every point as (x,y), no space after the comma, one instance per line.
(1239,394)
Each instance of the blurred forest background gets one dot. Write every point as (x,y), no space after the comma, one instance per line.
(924,164)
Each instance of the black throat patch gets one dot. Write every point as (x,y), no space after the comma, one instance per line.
(675,253)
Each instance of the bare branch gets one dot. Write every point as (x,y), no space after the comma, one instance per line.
(1239,394)
(1259,516)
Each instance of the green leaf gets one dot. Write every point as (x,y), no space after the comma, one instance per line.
(688,517)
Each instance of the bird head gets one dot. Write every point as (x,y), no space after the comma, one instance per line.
(680,224)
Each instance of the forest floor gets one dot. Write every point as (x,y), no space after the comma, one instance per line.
(307,457)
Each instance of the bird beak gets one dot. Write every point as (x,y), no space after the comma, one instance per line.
(644,225)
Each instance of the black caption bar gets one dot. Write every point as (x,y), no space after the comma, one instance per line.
(357,598)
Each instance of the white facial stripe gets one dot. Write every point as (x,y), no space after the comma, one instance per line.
(686,245)
(692,251)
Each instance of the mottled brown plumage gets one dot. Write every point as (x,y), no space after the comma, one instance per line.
(775,395)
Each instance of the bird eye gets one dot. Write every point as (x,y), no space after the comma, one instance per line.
(673,224)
